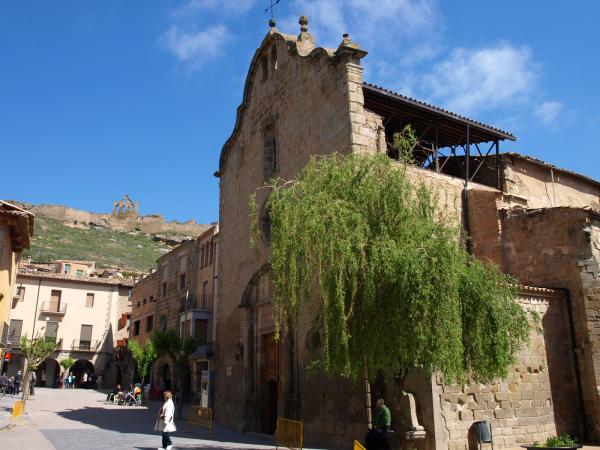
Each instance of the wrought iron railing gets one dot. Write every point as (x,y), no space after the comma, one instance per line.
(4,335)
(202,302)
(84,346)
(57,341)
(14,340)
(54,308)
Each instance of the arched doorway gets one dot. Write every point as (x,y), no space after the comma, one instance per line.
(83,371)
(47,373)
(269,367)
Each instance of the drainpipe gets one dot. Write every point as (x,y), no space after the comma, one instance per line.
(36,308)
(466,192)
(582,414)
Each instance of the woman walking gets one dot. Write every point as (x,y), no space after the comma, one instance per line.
(166,421)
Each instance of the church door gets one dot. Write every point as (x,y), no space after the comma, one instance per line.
(270,383)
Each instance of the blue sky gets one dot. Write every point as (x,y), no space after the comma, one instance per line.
(103,98)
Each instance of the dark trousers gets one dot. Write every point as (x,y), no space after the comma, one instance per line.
(166,439)
(375,439)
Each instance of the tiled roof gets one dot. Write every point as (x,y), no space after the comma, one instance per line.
(551,166)
(437,109)
(126,282)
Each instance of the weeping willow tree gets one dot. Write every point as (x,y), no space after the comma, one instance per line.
(394,285)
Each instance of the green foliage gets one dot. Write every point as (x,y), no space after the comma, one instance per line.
(171,344)
(404,145)
(144,356)
(53,240)
(394,284)
(67,363)
(36,350)
(557,441)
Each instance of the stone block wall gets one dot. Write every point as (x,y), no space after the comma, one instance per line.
(520,407)
(556,247)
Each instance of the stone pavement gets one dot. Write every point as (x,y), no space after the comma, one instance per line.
(78,419)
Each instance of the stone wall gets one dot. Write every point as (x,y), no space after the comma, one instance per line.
(557,247)
(521,408)
(544,186)
(298,95)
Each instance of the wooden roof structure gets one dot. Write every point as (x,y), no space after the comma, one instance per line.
(428,120)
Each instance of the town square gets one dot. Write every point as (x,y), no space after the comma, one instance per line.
(301,224)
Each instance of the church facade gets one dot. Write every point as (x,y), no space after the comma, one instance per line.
(302,100)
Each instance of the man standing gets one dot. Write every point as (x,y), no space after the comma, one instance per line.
(18,381)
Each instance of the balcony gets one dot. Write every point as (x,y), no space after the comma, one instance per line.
(84,346)
(4,335)
(198,302)
(58,342)
(14,340)
(53,308)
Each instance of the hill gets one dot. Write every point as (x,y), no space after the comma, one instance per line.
(133,251)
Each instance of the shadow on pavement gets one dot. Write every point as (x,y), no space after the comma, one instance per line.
(141,420)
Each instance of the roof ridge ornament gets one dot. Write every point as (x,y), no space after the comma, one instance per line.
(305,41)
(349,48)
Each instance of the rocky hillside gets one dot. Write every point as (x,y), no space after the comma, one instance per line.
(130,251)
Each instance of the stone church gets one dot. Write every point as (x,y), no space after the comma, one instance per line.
(538,222)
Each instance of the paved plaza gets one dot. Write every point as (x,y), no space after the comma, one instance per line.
(78,419)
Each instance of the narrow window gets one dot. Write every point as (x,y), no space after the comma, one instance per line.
(265,224)
(205,295)
(212,251)
(182,282)
(89,300)
(67,268)
(149,323)
(164,289)
(265,68)
(274,58)
(14,332)
(200,330)
(85,337)
(136,328)
(144,301)
(152,299)
(269,153)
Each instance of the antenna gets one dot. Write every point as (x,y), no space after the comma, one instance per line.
(271,7)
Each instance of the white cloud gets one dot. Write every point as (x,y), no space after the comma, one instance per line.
(193,7)
(471,80)
(379,25)
(547,112)
(195,47)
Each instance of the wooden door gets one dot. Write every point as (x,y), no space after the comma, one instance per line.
(55,300)
(270,383)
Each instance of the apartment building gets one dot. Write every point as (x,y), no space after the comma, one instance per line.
(80,311)
(179,296)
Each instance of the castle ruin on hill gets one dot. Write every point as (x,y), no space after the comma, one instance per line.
(124,217)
